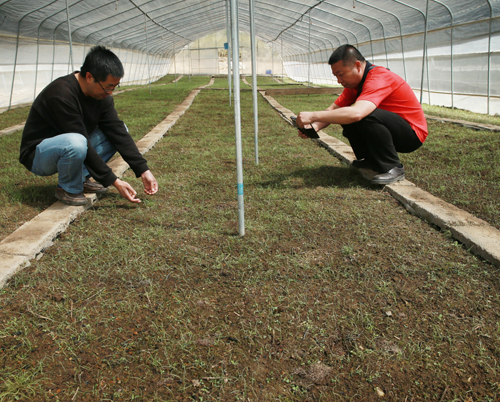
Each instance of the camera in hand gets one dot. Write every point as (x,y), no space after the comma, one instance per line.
(310,132)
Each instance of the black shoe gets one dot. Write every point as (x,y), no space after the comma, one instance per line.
(392,176)
(361,164)
(93,187)
(70,199)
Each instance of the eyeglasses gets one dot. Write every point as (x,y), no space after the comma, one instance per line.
(108,91)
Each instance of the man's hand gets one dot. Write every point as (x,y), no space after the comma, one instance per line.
(305,118)
(302,135)
(126,190)
(304,121)
(149,182)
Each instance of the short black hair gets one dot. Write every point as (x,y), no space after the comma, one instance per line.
(347,53)
(101,62)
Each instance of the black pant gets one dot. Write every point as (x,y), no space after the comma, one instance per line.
(379,137)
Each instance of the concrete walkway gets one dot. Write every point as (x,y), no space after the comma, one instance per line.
(33,237)
(12,130)
(477,235)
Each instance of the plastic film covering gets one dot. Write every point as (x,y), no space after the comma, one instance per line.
(43,39)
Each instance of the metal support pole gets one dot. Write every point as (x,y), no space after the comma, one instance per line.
(147,54)
(489,60)
(237,115)
(257,56)
(309,54)
(424,56)
(69,35)
(282,63)
(229,46)
(175,65)
(36,66)
(272,63)
(254,81)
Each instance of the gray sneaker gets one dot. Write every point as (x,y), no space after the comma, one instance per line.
(392,176)
(70,199)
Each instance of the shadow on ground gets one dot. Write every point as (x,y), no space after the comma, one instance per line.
(324,176)
(36,196)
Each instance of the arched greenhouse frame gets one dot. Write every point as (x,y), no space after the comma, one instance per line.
(447,50)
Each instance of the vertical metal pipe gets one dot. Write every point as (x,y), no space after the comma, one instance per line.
(489,60)
(137,66)
(131,64)
(17,51)
(403,51)
(217,52)
(53,57)
(15,64)
(452,64)
(147,53)
(229,45)
(69,35)
(424,55)
(184,61)
(254,81)
(175,65)
(309,54)
(428,78)
(272,62)
(237,115)
(257,56)
(282,63)
(451,51)
(36,64)
(126,58)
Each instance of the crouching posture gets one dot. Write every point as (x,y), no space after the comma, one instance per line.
(73,129)
(378,111)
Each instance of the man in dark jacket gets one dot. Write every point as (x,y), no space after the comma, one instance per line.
(73,129)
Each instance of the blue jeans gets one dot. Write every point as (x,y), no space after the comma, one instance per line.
(65,154)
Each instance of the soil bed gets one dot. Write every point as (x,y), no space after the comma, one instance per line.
(334,293)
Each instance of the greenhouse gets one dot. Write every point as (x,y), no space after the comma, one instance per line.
(448,50)
(222,248)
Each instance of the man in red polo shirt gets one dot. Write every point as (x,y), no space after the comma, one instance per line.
(378,111)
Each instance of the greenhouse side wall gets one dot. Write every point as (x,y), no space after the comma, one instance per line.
(457,62)
(37,63)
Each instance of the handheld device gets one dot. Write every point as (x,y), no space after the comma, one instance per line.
(310,132)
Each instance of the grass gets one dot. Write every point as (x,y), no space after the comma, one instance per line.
(334,292)
(13,117)
(19,115)
(460,114)
(456,164)
(24,195)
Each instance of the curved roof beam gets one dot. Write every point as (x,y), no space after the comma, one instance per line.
(374,19)
(121,22)
(400,32)
(17,46)
(298,19)
(325,28)
(154,22)
(101,20)
(355,23)
(304,39)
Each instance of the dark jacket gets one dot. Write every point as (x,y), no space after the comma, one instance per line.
(63,108)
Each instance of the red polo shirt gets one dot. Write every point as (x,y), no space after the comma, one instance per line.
(388,91)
